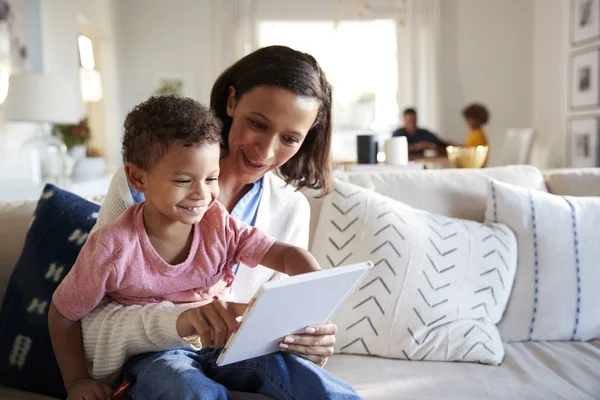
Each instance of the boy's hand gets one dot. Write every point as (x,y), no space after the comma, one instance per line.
(214,322)
(89,389)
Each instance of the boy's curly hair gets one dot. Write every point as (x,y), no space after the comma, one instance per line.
(478,112)
(152,126)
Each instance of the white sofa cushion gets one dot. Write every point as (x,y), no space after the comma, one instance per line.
(457,193)
(438,287)
(555,296)
(574,182)
(530,370)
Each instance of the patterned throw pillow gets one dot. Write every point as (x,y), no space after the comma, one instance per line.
(556,290)
(438,287)
(60,226)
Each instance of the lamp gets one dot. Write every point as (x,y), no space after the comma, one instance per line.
(47,100)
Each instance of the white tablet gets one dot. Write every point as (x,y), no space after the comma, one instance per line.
(288,306)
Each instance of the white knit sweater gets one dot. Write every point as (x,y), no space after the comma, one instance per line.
(112,332)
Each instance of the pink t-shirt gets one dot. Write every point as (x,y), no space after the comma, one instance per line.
(119,261)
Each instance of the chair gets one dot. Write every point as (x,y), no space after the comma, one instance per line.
(517,146)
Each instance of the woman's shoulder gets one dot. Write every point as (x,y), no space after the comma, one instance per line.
(283,193)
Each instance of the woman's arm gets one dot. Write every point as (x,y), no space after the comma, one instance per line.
(116,201)
(113,332)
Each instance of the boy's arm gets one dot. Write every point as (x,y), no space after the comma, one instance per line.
(290,260)
(68,348)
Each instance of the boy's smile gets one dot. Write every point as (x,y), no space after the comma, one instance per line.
(183,184)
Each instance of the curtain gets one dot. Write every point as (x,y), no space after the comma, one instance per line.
(418,44)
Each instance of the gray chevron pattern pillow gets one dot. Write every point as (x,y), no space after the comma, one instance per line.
(438,287)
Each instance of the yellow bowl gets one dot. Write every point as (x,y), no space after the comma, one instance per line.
(467,157)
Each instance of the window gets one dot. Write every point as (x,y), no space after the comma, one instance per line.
(359,59)
(86,52)
(90,82)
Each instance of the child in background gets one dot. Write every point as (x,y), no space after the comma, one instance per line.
(476,115)
(178,246)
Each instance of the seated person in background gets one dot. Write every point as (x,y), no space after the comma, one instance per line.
(418,139)
(476,115)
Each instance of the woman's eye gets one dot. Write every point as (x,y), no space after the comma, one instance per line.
(258,125)
(183,181)
(290,140)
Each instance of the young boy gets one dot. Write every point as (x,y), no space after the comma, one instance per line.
(476,116)
(179,245)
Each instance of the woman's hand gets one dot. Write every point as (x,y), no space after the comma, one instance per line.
(214,322)
(315,345)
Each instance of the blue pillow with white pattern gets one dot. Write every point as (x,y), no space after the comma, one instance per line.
(60,226)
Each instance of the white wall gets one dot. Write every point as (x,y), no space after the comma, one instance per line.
(158,39)
(487,57)
(550,78)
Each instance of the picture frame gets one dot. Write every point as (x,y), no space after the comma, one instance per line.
(584,141)
(584,79)
(585,21)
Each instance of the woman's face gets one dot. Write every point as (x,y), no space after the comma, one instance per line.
(269,125)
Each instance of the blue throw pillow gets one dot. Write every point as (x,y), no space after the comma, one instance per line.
(61,224)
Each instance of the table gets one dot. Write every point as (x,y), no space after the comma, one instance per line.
(433,162)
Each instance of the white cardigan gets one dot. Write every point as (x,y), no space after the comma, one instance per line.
(112,332)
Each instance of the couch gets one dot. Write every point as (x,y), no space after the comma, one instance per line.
(530,370)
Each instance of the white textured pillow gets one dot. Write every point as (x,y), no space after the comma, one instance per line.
(557,287)
(438,287)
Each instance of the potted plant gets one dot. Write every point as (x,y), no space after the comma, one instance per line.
(75,137)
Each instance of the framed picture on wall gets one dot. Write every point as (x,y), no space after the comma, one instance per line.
(584,135)
(585,20)
(584,74)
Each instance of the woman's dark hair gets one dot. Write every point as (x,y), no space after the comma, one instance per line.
(152,126)
(477,112)
(300,73)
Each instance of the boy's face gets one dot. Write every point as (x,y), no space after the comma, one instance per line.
(184,182)
(473,123)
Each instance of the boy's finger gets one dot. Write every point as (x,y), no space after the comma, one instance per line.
(226,315)
(218,326)
(202,330)
(108,391)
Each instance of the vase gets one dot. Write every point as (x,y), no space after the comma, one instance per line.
(78,151)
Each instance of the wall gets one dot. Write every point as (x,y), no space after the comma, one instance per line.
(550,82)
(486,56)
(163,41)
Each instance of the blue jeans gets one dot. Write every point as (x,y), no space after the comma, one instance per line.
(184,374)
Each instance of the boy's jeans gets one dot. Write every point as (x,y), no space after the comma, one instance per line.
(184,374)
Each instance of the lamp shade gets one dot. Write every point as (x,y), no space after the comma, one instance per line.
(42,98)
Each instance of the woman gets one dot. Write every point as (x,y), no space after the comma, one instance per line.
(275,105)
